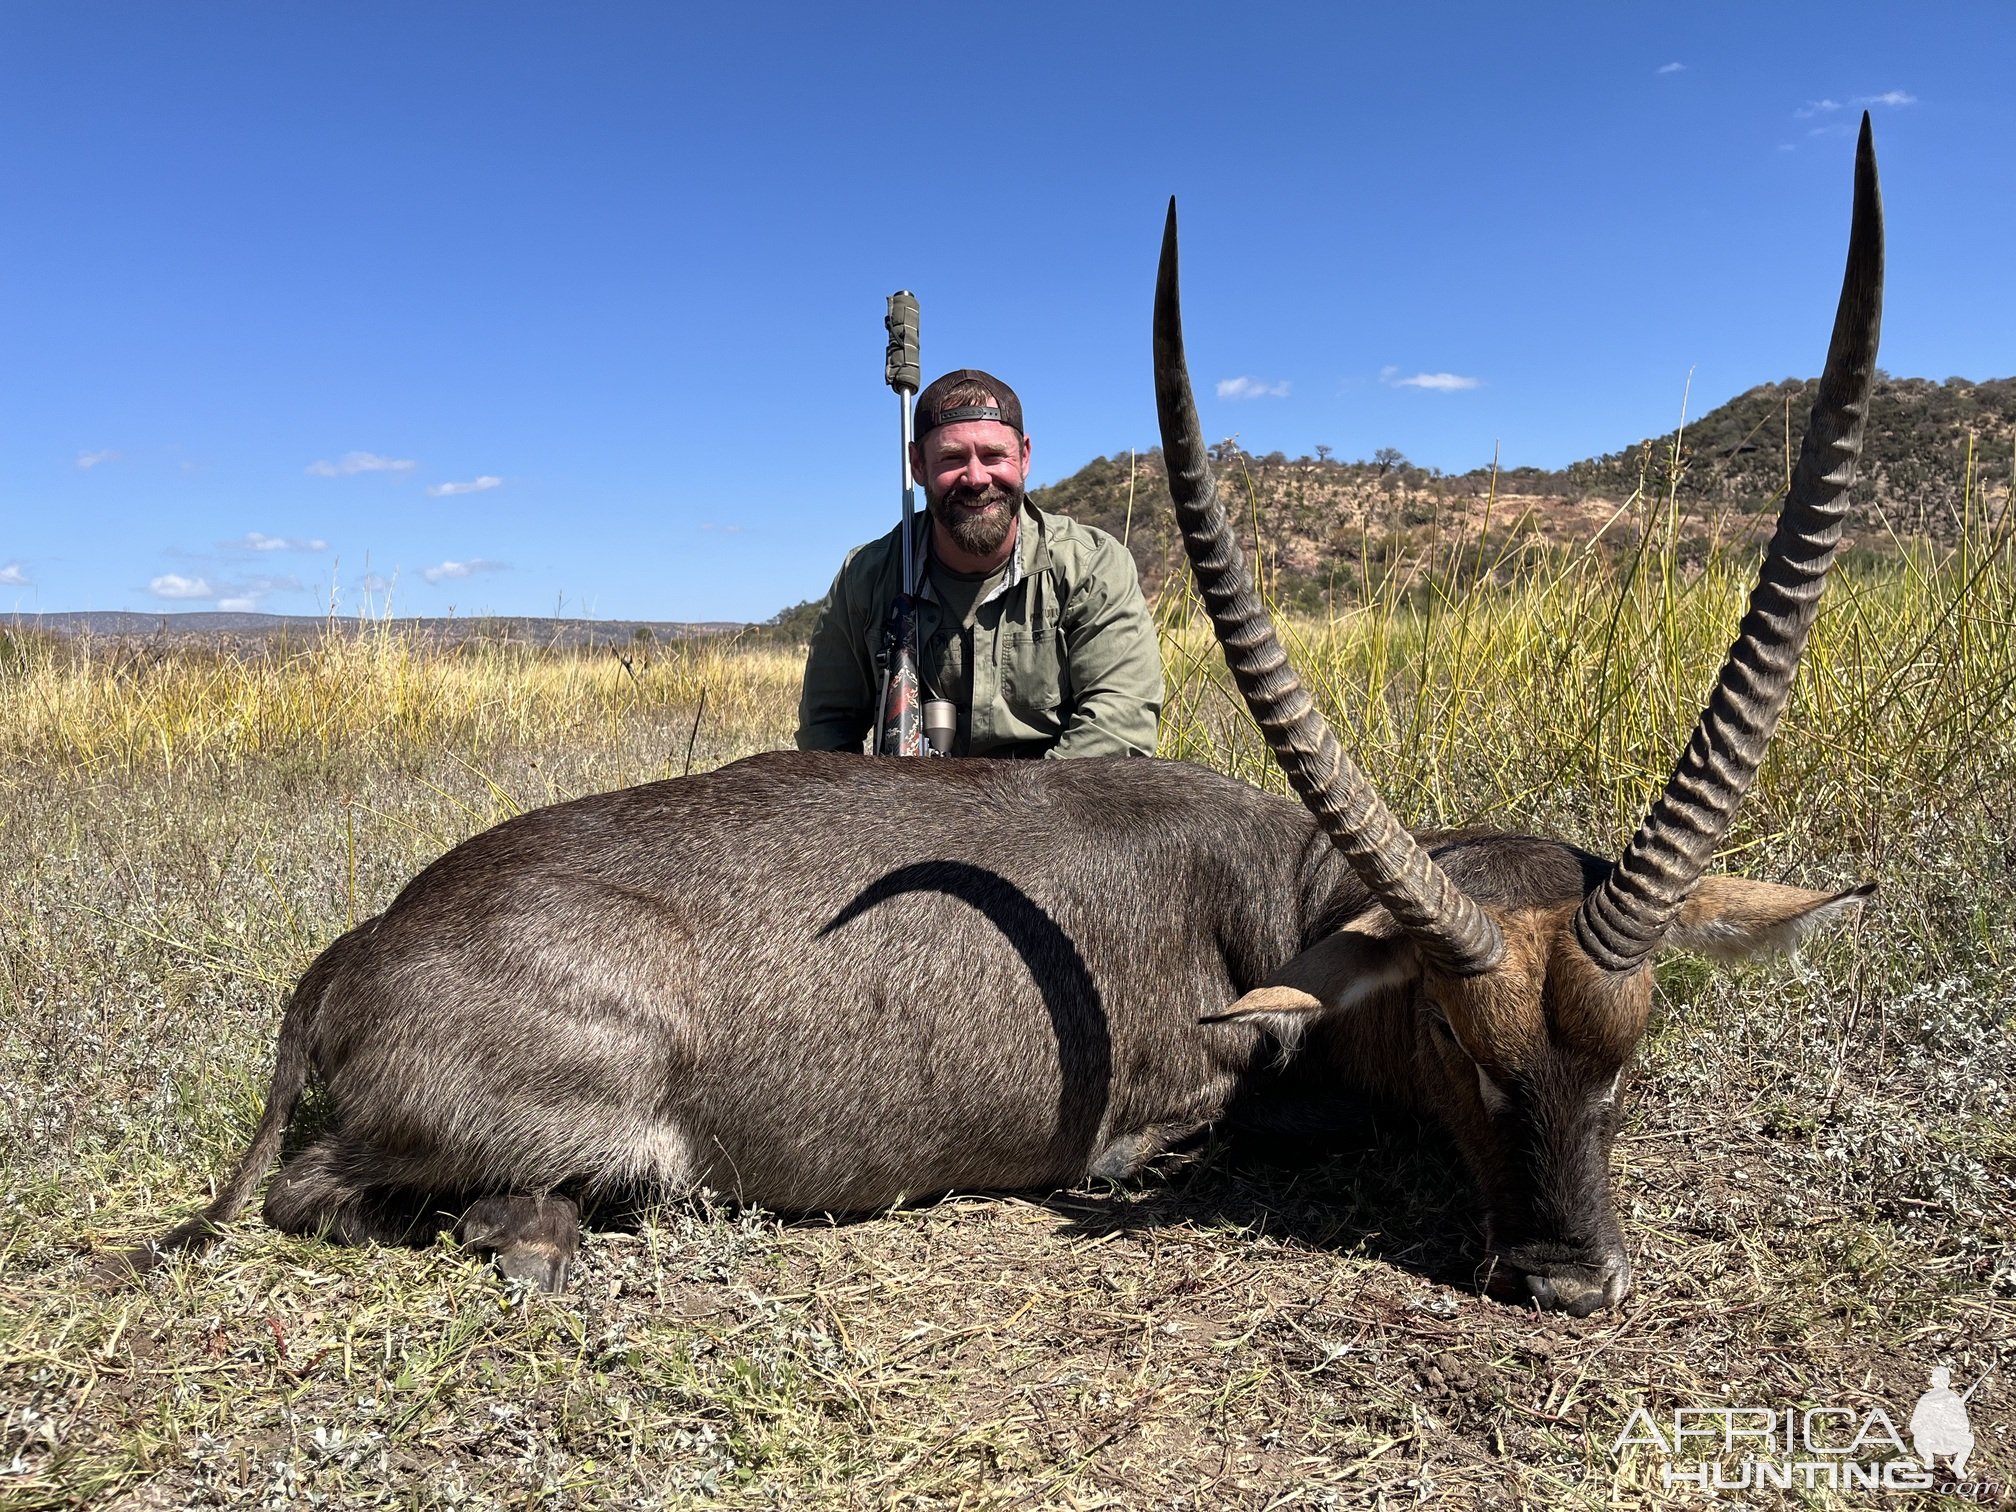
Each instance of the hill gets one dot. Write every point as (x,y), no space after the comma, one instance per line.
(1915,454)
(1323,520)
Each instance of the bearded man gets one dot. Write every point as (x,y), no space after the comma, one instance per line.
(1030,624)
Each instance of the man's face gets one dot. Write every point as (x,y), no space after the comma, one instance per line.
(973,474)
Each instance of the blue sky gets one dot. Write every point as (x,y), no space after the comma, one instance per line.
(508,307)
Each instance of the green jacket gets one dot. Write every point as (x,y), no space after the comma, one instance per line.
(1064,657)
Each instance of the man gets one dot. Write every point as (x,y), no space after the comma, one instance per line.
(1032,625)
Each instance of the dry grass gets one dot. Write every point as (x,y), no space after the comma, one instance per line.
(1817,1173)
(346,701)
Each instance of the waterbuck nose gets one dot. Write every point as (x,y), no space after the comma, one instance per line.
(1580,1290)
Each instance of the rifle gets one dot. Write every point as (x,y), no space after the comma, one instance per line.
(900,712)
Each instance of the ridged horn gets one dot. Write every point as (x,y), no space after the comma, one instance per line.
(1621,922)
(1447,925)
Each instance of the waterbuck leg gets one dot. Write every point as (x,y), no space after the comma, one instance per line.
(532,1238)
(330,1189)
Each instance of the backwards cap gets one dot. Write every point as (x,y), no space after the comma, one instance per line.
(933,410)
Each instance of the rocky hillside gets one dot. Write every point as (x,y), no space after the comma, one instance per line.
(1323,520)
(1915,454)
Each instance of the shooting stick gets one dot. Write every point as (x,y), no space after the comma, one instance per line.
(901,371)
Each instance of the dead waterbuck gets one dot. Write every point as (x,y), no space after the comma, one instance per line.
(753,981)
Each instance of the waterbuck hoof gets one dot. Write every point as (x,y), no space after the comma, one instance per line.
(533,1239)
(540,1265)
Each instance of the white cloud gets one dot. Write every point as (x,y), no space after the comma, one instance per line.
(1888,97)
(1251,388)
(360,462)
(172,585)
(474,485)
(241,595)
(374,582)
(1443,383)
(1671,68)
(723,529)
(14,575)
(447,570)
(1815,107)
(255,540)
(90,459)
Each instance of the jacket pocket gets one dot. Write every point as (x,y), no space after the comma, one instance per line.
(1033,678)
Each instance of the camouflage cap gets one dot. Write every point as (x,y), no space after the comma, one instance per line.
(933,410)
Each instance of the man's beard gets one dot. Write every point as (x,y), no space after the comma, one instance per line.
(977,534)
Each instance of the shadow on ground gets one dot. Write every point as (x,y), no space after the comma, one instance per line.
(1383,1187)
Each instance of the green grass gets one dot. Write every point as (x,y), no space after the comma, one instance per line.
(1817,1174)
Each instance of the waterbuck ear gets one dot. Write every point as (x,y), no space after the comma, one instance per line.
(1331,976)
(1731,918)
(1289,1001)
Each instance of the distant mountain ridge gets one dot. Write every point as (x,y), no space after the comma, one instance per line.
(221,625)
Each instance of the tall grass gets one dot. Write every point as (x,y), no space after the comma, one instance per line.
(378,695)
(1524,687)
(1509,684)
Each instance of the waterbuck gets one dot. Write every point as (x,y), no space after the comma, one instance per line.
(831,982)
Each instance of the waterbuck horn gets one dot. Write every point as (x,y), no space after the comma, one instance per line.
(1621,922)
(1446,924)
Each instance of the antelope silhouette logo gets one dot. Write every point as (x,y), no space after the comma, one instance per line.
(1939,1423)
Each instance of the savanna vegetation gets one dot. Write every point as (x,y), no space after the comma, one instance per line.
(1816,1176)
